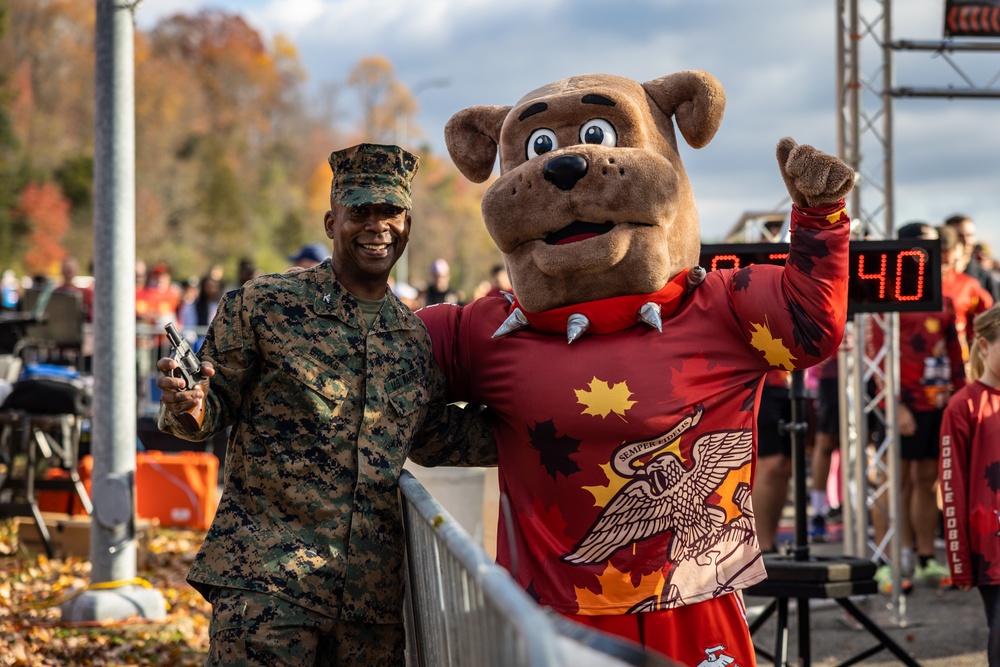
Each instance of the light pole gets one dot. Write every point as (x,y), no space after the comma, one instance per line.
(114,592)
(403,265)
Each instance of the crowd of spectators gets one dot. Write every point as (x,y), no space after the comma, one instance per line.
(161,297)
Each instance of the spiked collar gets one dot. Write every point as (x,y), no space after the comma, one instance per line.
(605,315)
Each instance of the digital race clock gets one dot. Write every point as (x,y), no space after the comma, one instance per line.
(885,276)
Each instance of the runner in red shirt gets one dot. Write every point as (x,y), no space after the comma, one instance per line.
(965,292)
(931,367)
(970,477)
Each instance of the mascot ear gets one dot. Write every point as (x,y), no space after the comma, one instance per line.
(472,136)
(695,99)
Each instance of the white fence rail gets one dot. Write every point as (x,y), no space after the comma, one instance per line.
(464,610)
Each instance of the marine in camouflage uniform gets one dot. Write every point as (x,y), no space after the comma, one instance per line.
(303,562)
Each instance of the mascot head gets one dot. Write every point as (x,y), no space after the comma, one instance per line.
(592,200)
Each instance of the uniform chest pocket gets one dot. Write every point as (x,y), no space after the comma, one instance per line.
(319,377)
(407,393)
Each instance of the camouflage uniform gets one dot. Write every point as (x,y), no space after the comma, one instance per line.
(251,628)
(323,416)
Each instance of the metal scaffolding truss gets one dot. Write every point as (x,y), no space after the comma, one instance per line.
(952,52)
(869,378)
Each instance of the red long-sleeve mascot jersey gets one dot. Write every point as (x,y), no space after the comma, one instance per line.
(627,456)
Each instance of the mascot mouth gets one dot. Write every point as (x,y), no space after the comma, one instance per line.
(578,231)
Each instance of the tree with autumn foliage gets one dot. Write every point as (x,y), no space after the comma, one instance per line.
(447,223)
(386,104)
(224,115)
(231,150)
(224,145)
(46,212)
(12,229)
(46,98)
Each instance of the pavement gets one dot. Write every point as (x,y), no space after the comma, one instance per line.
(936,628)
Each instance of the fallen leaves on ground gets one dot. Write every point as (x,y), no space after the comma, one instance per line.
(32,632)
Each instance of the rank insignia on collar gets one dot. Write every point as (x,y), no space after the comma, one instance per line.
(326,298)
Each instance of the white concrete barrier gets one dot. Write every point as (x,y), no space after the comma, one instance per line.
(460,491)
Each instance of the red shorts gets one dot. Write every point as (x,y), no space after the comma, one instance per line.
(697,634)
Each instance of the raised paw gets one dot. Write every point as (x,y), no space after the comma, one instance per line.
(813,178)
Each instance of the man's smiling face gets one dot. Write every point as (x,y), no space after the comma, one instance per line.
(367,241)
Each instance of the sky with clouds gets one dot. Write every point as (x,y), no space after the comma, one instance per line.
(776,60)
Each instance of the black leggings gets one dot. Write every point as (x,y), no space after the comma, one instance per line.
(991,602)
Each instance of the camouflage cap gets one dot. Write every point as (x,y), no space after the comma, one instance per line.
(372,174)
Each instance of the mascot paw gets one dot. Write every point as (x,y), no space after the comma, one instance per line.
(813,178)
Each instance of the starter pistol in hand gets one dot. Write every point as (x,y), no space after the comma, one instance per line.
(189,369)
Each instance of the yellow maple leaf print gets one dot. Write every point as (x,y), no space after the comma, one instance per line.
(603,493)
(932,325)
(773,348)
(602,398)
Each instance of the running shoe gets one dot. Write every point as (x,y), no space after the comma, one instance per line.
(934,573)
(817,529)
(883,578)
(835,514)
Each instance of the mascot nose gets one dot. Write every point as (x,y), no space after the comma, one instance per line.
(564,171)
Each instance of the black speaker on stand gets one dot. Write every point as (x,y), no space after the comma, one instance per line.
(797,575)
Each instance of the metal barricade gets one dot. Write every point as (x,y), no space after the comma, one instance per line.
(464,610)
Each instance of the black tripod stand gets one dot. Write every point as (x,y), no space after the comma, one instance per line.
(802,577)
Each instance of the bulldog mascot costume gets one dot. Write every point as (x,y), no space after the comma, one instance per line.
(621,380)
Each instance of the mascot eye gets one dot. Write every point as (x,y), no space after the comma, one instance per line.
(541,141)
(598,131)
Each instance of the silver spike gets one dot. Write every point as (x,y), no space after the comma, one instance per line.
(695,276)
(650,314)
(576,326)
(516,320)
(508,296)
